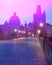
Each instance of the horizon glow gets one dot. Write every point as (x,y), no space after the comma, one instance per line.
(24,9)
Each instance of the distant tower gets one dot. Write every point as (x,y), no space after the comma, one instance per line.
(39,17)
(38,9)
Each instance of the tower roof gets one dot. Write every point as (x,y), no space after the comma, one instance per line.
(14,19)
(38,9)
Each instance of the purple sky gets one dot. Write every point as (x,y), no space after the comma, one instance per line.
(24,9)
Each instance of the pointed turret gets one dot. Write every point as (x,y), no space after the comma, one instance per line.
(38,9)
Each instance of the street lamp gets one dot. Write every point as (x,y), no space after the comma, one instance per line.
(19,31)
(29,33)
(15,30)
(41,24)
(38,31)
(32,35)
(24,32)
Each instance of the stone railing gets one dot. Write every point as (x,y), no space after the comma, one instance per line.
(47,47)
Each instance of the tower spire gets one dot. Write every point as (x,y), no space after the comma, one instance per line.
(38,7)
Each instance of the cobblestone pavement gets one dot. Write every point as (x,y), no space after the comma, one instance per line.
(22,52)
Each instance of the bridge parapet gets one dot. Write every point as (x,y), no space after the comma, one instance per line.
(47,47)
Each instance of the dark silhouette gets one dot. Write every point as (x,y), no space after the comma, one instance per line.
(13,28)
(39,17)
(1,33)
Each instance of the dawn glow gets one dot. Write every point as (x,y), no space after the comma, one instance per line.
(24,9)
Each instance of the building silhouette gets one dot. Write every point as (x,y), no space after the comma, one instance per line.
(39,17)
(49,30)
(13,27)
(14,22)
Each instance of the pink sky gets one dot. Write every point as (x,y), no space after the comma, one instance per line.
(23,8)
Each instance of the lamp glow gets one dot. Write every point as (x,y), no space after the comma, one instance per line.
(29,33)
(41,24)
(15,30)
(24,32)
(19,31)
(32,35)
(38,31)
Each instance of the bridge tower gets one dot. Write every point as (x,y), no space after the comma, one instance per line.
(39,19)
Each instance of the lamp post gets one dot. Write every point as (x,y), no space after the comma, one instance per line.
(41,27)
(38,31)
(41,24)
(19,31)
(29,33)
(32,35)
(15,30)
(24,32)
